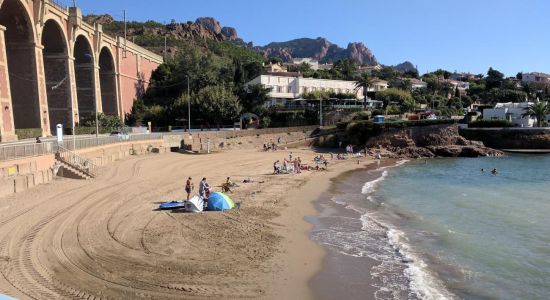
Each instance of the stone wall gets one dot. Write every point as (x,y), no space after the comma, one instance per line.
(19,175)
(510,138)
(240,139)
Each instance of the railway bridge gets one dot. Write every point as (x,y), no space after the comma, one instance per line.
(57,69)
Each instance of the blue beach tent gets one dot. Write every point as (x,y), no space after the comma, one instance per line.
(219,202)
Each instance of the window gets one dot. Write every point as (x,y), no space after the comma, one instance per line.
(289,89)
(279,89)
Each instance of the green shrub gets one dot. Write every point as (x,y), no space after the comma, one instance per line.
(28,133)
(490,123)
(88,130)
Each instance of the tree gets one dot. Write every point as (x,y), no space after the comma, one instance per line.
(254,98)
(394,96)
(216,105)
(519,76)
(364,82)
(346,68)
(539,110)
(494,79)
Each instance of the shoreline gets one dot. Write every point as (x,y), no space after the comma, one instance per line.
(344,275)
(301,258)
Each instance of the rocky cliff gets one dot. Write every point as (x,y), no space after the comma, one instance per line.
(207,28)
(426,142)
(320,49)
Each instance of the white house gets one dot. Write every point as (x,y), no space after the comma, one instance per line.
(313,63)
(535,77)
(284,88)
(514,112)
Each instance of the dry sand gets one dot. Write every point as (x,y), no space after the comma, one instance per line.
(104,238)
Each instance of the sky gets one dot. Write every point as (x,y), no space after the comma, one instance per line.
(462,35)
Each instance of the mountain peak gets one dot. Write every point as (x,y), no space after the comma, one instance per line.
(320,49)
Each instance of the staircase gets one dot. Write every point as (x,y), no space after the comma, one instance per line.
(73,165)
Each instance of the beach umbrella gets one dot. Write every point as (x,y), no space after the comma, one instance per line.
(219,202)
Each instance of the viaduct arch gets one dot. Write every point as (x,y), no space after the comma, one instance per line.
(57,69)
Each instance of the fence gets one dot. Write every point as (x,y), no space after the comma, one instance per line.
(76,161)
(17,151)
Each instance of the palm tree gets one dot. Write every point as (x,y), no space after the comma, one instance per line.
(538,110)
(364,82)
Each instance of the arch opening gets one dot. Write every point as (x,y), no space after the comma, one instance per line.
(107,78)
(85,78)
(56,71)
(21,61)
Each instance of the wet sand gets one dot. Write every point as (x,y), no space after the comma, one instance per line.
(343,276)
(105,238)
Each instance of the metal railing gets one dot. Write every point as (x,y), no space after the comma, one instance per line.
(17,151)
(83,143)
(76,161)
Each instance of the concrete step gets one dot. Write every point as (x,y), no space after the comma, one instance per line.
(69,171)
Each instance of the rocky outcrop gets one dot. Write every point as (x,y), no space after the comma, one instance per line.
(207,28)
(405,67)
(98,19)
(230,33)
(210,24)
(361,54)
(320,49)
(426,142)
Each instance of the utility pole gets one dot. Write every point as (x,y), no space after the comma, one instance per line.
(188,106)
(166,48)
(321,111)
(125,35)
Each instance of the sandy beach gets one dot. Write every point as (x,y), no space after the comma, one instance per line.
(105,238)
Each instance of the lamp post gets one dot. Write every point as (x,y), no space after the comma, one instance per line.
(188,106)
(321,111)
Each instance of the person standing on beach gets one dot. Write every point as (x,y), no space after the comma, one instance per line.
(204,188)
(189,186)
(276,167)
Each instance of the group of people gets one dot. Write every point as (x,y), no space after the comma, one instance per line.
(205,189)
(290,165)
(272,145)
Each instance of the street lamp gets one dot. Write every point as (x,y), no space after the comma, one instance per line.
(188,106)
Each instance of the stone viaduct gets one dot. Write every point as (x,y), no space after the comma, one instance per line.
(57,69)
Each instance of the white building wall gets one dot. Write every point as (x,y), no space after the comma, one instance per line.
(294,87)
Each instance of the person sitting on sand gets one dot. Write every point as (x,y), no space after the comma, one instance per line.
(226,187)
(204,188)
(189,186)
(276,167)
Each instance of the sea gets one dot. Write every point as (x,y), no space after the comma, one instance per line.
(439,229)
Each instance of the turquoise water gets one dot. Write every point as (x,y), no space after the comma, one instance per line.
(465,233)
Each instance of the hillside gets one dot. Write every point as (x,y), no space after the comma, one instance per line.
(151,35)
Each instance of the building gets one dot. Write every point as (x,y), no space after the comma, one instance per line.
(275,68)
(462,76)
(285,88)
(417,84)
(535,77)
(368,69)
(513,112)
(313,63)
